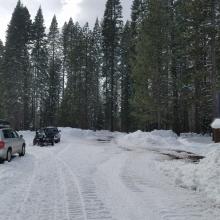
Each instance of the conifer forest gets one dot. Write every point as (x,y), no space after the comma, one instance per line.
(158,70)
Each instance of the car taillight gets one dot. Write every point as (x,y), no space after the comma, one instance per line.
(2,144)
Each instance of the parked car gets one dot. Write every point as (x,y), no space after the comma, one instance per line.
(53,131)
(10,143)
(42,139)
(47,136)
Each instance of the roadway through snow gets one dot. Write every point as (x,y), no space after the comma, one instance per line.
(88,177)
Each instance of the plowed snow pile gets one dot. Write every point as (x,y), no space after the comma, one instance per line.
(202,177)
(154,139)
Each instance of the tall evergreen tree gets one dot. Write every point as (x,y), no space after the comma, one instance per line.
(197,31)
(82,52)
(95,64)
(54,78)
(64,40)
(1,81)
(16,68)
(111,31)
(72,101)
(176,48)
(137,16)
(39,58)
(213,22)
(66,111)
(150,72)
(85,75)
(125,72)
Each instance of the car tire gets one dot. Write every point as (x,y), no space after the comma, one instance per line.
(52,143)
(2,161)
(9,155)
(22,151)
(57,141)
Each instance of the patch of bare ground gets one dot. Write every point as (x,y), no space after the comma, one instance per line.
(183,155)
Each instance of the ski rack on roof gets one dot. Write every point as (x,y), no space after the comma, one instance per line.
(4,124)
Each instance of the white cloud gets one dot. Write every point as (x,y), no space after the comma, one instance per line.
(70,8)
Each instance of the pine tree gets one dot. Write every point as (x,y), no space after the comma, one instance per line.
(67,47)
(111,31)
(176,63)
(82,52)
(197,31)
(136,17)
(213,21)
(72,102)
(176,66)
(85,76)
(95,64)
(16,67)
(150,72)
(39,58)
(54,78)
(125,72)
(64,40)
(1,81)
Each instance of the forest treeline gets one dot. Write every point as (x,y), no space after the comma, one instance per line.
(160,70)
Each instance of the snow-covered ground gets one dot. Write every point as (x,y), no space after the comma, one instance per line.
(103,175)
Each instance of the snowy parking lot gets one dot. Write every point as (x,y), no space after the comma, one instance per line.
(103,175)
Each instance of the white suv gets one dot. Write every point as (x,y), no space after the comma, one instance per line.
(10,143)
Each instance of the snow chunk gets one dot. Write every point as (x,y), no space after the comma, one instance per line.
(216,123)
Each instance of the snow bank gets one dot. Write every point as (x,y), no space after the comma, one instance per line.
(202,177)
(167,140)
(156,138)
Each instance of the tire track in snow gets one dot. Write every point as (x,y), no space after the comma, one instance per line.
(42,195)
(71,180)
(93,206)
(27,192)
(14,194)
(51,195)
(51,192)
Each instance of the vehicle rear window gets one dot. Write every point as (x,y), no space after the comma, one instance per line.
(51,130)
(8,134)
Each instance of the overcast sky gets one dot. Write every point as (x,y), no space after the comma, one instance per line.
(79,10)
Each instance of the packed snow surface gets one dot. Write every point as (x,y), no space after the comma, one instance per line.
(103,175)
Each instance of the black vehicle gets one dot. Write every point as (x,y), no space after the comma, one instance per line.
(42,138)
(53,131)
(47,136)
